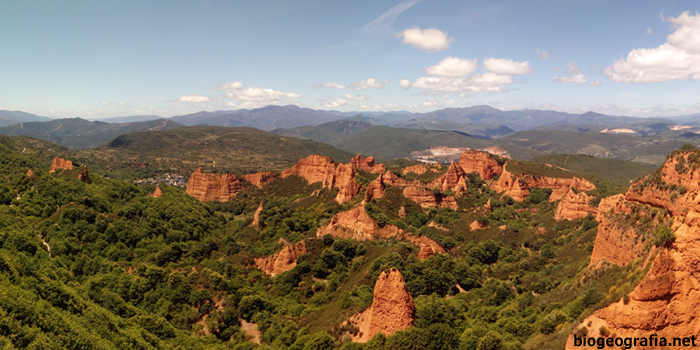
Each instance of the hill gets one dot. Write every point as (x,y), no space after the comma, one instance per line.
(331,133)
(387,143)
(14,117)
(616,171)
(214,148)
(77,133)
(533,143)
(265,118)
(128,119)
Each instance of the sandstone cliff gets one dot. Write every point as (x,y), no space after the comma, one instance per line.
(84,176)
(256,216)
(512,186)
(366,164)
(313,169)
(618,244)
(30,173)
(668,297)
(574,206)
(428,199)
(451,181)
(60,163)
(261,179)
(481,163)
(392,308)
(518,185)
(344,179)
(283,261)
(375,189)
(157,193)
(357,224)
(214,187)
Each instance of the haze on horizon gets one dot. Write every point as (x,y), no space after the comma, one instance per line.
(98,59)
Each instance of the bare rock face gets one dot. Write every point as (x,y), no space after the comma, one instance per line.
(157,193)
(475,225)
(488,208)
(574,206)
(314,169)
(425,252)
(357,224)
(344,178)
(366,164)
(428,247)
(518,186)
(616,244)
(84,176)
(668,297)
(512,186)
(452,180)
(392,307)
(481,163)
(256,216)
(30,173)
(428,199)
(214,187)
(375,189)
(283,261)
(60,163)
(417,169)
(261,179)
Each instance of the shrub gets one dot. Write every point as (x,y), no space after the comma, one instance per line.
(663,235)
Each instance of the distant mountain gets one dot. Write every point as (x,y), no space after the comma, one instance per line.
(14,117)
(79,133)
(214,148)
(266,118)
(331,133)
(127,119)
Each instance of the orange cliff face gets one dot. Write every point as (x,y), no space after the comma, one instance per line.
(452,180)
(512,186)
(60,163)
(428,199)
(518,186)
(214,187)
(668,297)
(366,164)
(392,308)
(358,225)
(344,178)
(574,206)
(260,179)
(481,163)
(157,193)
(313,169)
(283,261)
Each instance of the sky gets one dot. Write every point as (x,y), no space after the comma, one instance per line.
(107,58)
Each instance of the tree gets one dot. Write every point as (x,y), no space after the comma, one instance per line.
(320,341)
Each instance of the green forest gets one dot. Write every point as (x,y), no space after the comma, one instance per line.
(105,266)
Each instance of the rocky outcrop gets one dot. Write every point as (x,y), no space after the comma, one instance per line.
(574,206)
(392,308)
(344,179)
(84,176)
(481,163)
(366,164)
(428,199)
(60,163)
(428,247)
(283,261)
(475,225)
(214,187)
(358,225)
(667,299)
(157,193)
(512,186)
(30,173)
(416,169)
(453,180)
(518,186)
(260,179)
(313,169)
(488,208)
(375,189)
(256,216)
(425,252)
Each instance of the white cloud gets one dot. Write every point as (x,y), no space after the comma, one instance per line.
(595,83)
(104,103)
(576,79)
(330,85)
(452,67)
(333,103)
(431,103)
(649,31)
(382,24)
(487,82)
(370,83)
(384,107)
(193,99)
(253,97)
(432,39)
(450,102)
(121,103)
(676,59)
(405,83)
(542,54)
(505,66)
(572,68)
(356,97)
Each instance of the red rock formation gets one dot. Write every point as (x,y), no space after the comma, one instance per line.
(344,178)
(452,180)
(427,246)
(214,187)
(518,186)
(616,244)
(475,225)
(416,169)
(667,299)
(357,224)
(157,193)
(260,179)
(84,176)
(512,186)
(425,252)
(256,216)
(314,169)
(574,206)
(428,199)
(396,181)
(366,164)
(392,307)
(488,208)
(283,261)
(30,173)
(375,189)
(481,163)
(60,163)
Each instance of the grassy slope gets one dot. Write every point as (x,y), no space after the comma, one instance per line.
(612,170)
(215,149)
(386,143)
(331,133)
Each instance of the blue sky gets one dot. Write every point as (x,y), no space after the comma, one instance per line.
(112,58)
